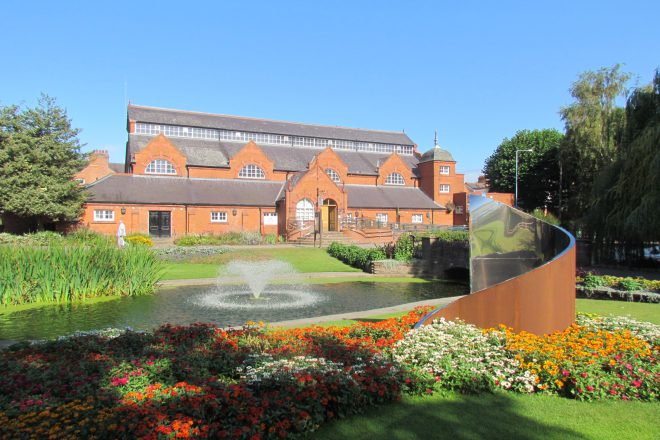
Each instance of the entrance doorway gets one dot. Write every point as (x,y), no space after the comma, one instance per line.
(329,214)
(160,223)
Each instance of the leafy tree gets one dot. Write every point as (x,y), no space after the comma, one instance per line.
(538,170)
(39,155)
(626,207)
(594,130)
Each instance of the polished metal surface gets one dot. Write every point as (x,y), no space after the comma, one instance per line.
(522,272)
(506,243)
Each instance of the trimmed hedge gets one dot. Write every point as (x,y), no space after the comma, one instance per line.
(354,255)
(445,235)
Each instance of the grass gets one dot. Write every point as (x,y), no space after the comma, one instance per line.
(186,271)
(499,415)
(303,260)
(639,311)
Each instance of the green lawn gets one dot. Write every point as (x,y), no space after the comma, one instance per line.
(639,311)
(501,415)
(303,260)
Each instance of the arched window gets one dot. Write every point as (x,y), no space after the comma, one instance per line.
(251,172)
(304,210)
(160,166)
(395,179)
(333,175)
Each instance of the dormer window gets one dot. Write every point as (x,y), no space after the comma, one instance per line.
(251,172)
(160,166)
(333,175)
(395,179)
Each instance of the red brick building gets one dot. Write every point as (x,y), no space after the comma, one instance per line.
(188,172)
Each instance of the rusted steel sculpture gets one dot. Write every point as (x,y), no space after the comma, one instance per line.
(522,272)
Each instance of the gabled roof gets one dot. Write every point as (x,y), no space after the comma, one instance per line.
(217,154)
(208,120)
(405,197)
(183,191)
(116,167)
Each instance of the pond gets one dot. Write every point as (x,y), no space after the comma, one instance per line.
(221,305)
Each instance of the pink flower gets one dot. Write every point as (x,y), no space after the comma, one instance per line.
(116,381)
(637,383)
(590,388)
(583,374)
(565,372)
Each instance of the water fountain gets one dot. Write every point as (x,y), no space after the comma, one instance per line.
(255,291)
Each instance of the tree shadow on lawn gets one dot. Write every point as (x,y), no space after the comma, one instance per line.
(461,417)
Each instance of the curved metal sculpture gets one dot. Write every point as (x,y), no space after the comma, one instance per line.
(522,272)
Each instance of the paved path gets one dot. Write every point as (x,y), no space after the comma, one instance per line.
(281,277)
(364,313)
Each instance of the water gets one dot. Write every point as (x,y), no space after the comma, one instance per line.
(185,305)
(257,274)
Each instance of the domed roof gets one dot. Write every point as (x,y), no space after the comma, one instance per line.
(437,153)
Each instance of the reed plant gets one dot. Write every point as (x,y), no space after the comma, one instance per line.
(75,271)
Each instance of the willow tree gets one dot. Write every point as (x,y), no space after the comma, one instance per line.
(594,130)
(626,195)
(39,155)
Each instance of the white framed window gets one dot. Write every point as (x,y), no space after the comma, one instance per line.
(333,175)
(444,170)
(395,179)
(458,209)
(251,171)
(270,218)
(104,215)
(218,216)
(381,217)
(160,166)
(445,188)
(418,218)
(305,210)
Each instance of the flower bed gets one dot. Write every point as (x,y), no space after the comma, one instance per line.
(204,382)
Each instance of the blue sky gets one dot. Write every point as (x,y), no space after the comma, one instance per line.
(475,71)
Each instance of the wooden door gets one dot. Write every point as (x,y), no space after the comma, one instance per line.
(324,216)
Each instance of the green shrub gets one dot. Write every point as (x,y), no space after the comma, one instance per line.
(271,239)
(43,238)
(548,218)
(403,249)
(629,284)
(89,237)
(139,239)
(592,281)
(354,255)
(221,239)
(61,273)
(446,234)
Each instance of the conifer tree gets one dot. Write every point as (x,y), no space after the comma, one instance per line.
(39,155)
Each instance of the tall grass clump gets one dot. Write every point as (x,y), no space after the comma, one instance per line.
(71,272)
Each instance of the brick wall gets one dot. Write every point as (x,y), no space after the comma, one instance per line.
(184,219)
(160,148)
(97,167)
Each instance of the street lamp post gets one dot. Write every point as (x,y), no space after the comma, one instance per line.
(515,198)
